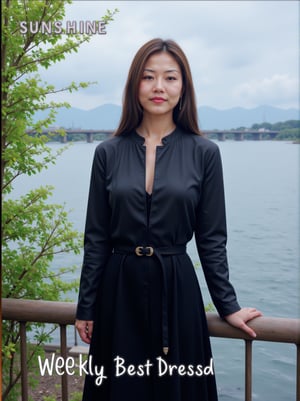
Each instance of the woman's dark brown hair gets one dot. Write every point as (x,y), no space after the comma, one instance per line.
(185,112)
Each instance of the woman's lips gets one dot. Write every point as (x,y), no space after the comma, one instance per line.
(158,100)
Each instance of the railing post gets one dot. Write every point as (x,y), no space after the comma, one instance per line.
(75,337)
(248,370)
(24,370)
(63,353)
(298,374)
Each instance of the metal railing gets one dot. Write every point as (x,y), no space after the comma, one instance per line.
(271,329)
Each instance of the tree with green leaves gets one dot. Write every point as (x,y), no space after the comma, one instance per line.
(288,130)
(33,230)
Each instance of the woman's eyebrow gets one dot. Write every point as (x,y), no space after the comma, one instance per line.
(170,70)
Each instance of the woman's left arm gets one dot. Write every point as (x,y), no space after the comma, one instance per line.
(211,239)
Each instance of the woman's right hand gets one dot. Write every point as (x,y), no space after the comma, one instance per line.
(85,329)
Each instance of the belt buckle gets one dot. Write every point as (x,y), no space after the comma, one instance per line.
(140,250)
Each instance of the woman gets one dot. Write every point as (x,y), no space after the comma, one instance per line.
(153,185)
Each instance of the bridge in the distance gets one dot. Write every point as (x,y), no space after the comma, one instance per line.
(221,135)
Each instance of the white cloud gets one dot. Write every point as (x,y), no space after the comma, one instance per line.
(231,47)
(281,87)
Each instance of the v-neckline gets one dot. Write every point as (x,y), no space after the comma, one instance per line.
(166,140)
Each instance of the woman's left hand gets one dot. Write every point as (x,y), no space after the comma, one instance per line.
(241,317)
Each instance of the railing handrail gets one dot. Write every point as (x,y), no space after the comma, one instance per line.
(272,329)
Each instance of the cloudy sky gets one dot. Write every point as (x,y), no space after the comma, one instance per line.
(242,53)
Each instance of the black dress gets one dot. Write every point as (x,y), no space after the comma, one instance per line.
(147,299)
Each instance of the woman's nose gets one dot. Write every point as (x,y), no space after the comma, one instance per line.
(158,85)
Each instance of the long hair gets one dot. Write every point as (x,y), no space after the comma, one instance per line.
(184,113)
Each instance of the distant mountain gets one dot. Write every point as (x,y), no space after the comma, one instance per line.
(107,116)
(102,117)
(211,118)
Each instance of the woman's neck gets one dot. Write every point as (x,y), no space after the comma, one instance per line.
(156,127)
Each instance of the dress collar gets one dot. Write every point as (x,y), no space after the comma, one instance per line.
(165,140)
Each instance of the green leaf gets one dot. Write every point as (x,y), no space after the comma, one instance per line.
(34,230)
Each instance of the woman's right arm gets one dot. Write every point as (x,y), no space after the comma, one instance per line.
(97,244)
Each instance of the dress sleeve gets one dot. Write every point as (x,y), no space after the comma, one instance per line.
(211,235)
(97,243)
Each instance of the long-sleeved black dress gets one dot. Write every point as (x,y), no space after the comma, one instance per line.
(145,300)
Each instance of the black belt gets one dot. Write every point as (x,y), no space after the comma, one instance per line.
(158,253)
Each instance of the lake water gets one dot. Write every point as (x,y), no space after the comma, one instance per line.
(262,198)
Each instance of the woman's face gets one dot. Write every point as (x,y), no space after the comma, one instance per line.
(161,84)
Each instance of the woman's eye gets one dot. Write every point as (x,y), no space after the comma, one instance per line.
(147,77)
(171,78)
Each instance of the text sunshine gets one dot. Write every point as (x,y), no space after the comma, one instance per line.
(58,27)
